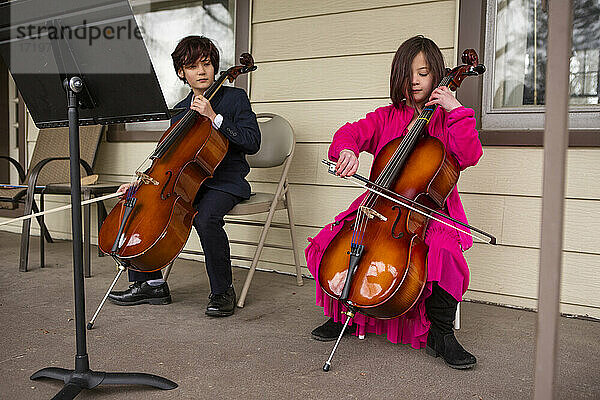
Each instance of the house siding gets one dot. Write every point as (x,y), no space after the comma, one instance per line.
(322,64)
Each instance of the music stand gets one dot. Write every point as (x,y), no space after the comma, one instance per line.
(71,46)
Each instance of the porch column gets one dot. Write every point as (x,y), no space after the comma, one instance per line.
(556,138)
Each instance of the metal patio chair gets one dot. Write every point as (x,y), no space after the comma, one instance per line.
(48,173)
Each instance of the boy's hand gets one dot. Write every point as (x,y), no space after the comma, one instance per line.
(203,106)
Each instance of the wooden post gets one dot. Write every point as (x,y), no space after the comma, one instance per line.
(555,146)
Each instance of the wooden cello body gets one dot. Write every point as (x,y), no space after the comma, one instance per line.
(377,264)
(393,268)
(161,220)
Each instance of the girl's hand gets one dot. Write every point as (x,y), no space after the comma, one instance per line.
(203,106)
(347,163)
(443,96)
(123,188)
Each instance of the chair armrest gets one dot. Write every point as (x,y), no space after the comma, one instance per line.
(33,177)
(18,166)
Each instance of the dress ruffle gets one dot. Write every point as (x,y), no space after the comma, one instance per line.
(446,263)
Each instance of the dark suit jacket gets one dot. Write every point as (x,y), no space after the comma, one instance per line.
(241,129)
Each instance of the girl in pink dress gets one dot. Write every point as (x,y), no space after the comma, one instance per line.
(417,68)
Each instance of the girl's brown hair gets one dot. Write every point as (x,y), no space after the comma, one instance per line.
(190,49)
(400,77)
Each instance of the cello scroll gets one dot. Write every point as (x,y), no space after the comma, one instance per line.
(247,62)
(471,67)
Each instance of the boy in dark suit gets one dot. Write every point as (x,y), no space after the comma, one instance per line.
(196,60)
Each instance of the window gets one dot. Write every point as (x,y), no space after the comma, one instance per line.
(584,82)
(515,53)
(163,23)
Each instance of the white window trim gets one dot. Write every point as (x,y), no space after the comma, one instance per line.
(517,118)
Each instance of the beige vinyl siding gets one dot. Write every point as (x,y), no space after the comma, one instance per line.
(328,35)
(273,10)
(324,63)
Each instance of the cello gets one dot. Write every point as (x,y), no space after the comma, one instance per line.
(377,265)
(150,225)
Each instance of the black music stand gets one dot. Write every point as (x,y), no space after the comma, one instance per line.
(71,45)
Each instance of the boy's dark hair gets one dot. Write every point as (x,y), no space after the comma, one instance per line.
(190,49)
(400,77)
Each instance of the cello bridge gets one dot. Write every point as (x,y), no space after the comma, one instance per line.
(147,179)
(370,213)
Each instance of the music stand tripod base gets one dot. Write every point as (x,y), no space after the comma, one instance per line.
(75,381)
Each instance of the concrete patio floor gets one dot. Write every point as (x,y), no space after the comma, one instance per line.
(264,351)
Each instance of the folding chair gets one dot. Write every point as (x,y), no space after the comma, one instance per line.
(277,149)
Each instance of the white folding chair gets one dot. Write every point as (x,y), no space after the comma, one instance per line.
(277,148)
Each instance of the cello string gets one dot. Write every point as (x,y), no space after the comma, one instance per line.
(168,141)
(371,198)
(172,136)
(385,178)
(190,114)
(357,223)
(393,166)
(388,175)
(411,137)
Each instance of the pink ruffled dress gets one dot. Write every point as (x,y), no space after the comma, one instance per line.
(446,263)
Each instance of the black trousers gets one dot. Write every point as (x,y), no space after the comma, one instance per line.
(212,206)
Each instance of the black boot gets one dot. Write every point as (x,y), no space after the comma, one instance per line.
(140,293)
(330,331)
(441,310)
(221,305)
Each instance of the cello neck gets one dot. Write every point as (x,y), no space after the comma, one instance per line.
(209,93)
(212,90)
(424,117)
(189,118)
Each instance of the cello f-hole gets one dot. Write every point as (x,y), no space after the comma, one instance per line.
(162,192)
(400,234)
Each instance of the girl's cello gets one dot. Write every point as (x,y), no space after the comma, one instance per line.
(148,228)
(377,264)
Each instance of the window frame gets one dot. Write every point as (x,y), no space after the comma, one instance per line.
(505,129)
(241,33)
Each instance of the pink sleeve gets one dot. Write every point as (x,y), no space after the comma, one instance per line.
(463,138)
(357,136)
